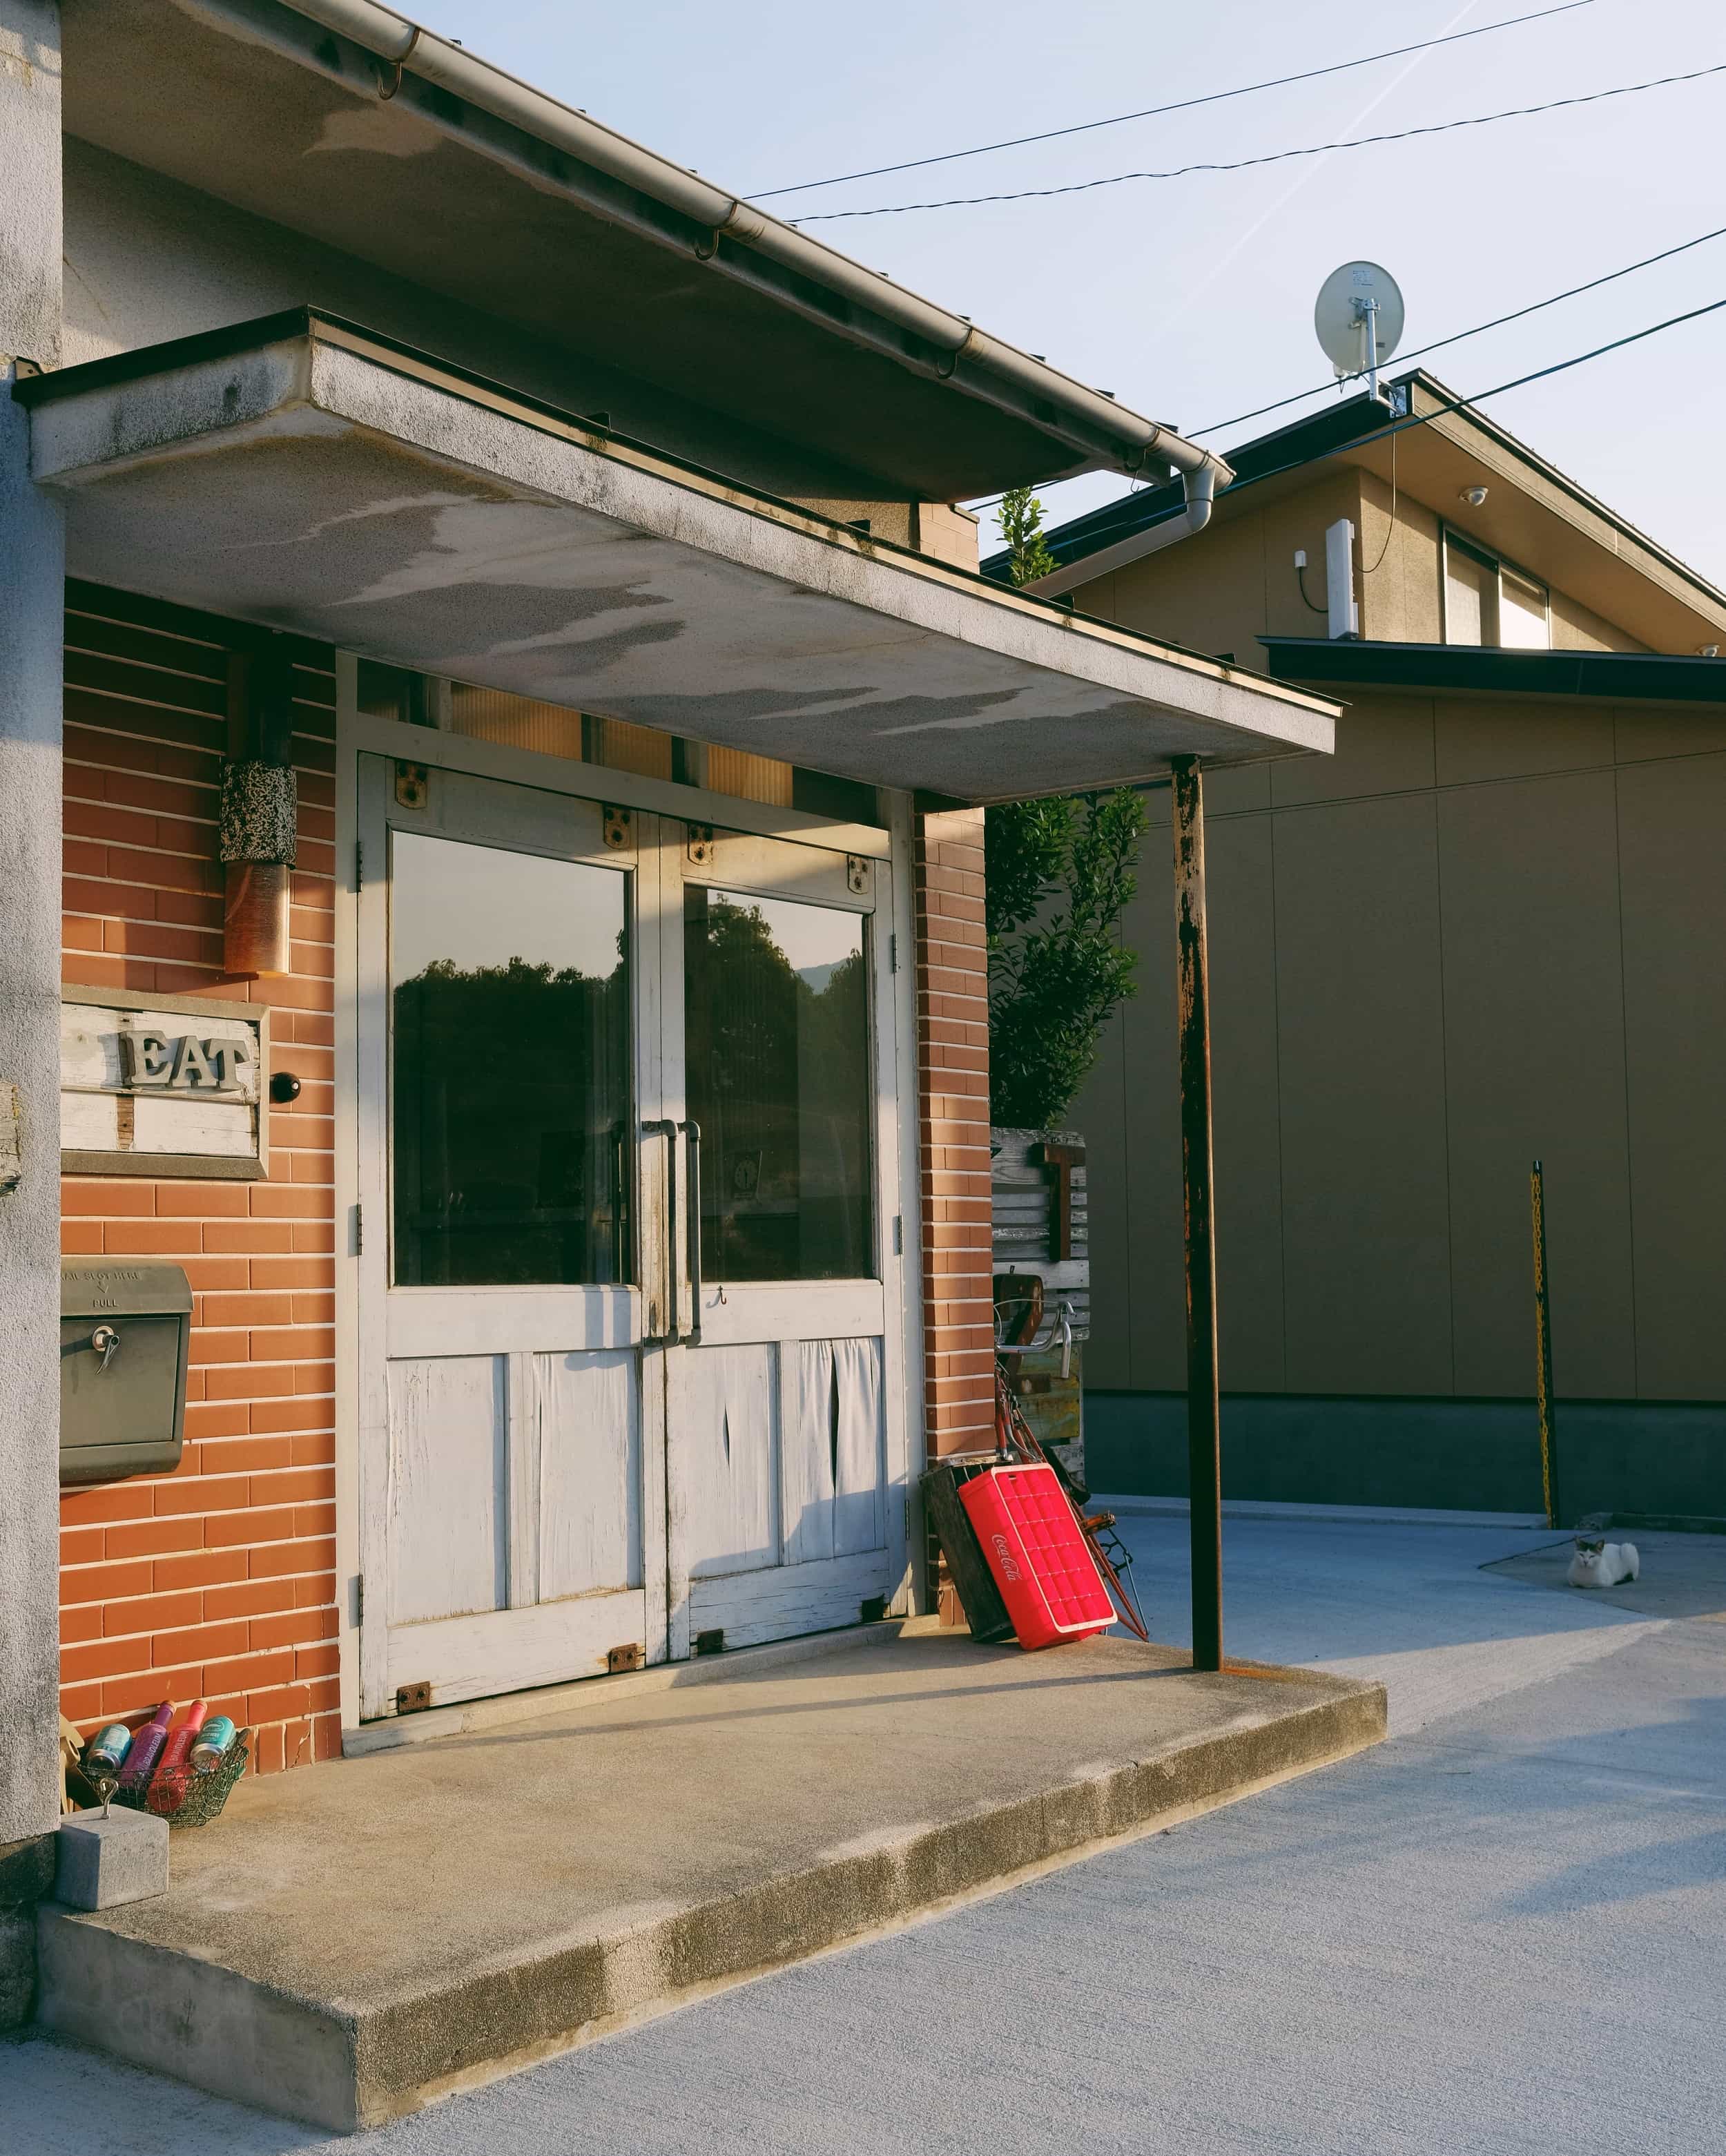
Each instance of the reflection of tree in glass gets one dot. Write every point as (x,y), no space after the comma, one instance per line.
(777,1079)
(507,1081)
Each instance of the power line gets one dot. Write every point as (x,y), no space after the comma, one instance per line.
(1273,157)
(1184,105)
(1457,336)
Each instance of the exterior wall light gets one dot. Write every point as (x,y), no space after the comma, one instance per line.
(1473,495)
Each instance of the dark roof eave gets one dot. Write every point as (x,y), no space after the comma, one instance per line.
(1614,676)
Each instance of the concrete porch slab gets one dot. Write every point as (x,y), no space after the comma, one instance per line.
(353,1940)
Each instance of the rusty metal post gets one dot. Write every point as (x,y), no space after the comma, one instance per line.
(1542,1348)
(1204,1450)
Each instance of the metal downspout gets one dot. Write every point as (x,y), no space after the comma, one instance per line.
(1200,488)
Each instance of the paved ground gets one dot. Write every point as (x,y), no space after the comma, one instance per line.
(1503,1931)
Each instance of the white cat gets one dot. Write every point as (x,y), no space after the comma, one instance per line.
(1603,1564)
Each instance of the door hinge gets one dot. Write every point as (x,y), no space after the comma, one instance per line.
(359,1229)
(359,864)
(893,954)
(359,1597)
(898,1234)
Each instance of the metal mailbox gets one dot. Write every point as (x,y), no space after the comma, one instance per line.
(124,1332)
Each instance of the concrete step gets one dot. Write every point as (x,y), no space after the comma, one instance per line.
(352,1941)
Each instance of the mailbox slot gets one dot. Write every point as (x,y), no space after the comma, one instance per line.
(124,1329)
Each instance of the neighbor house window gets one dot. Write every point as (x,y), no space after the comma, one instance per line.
(1487,602)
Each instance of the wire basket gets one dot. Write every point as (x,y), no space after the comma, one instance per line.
(183,1796)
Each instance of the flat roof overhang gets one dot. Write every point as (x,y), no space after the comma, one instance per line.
(306,474)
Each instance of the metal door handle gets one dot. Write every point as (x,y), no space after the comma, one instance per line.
(620,1193)
(105,1341)
(663,1127)
(692,1138)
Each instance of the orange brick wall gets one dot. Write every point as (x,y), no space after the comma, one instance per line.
(217,1581)
(953,1117)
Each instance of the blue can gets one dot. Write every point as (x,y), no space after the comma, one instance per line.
(106,1749)
(212,1742)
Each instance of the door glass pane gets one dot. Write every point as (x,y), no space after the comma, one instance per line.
(776,1038)
(509,1098)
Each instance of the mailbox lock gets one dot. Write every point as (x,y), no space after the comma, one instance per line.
(105,1341)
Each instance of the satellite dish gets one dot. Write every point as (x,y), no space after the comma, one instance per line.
(1358,319)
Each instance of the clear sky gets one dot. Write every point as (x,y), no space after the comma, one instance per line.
(1192,298)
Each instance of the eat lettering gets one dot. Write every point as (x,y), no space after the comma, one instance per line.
(186,1064)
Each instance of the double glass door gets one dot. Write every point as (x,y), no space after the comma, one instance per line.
(631,1371)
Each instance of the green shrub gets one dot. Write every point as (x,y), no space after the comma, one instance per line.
(1059,876)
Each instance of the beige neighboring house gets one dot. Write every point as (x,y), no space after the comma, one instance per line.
(1488,930)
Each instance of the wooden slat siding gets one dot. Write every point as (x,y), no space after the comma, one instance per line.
(953,1119)
(217,1581)
(1023,1192)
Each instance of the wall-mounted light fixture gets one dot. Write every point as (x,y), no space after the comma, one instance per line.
(260,810)
(1473,495)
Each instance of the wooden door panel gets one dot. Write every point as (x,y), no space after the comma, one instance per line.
(514,1650)
(448,1521)
(590,1481)
(727,1454)
(752,1607)
(832,1450)
(459,1321)
(787,1310)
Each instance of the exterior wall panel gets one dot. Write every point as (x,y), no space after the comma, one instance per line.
(1365,1213)
(1671,839)
(1520,960)
(1534,1065)
(1247,1087)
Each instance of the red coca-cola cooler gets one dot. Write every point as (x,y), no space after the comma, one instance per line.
(1041,1563)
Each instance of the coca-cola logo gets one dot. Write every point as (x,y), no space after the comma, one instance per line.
(1009,1568)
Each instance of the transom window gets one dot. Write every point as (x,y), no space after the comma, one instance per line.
(1487,602)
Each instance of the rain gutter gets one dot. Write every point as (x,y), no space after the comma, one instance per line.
(618,179)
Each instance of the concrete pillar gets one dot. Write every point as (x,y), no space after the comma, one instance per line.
(32,597)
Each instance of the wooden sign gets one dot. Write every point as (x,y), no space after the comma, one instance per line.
(162,1085)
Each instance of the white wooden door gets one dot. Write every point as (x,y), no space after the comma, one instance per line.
(630,1337)
(785,1429)
(511,1412)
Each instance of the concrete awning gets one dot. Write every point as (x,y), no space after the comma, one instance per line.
(303,474)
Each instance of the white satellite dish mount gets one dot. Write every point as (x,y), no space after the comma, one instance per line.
(1358,318)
